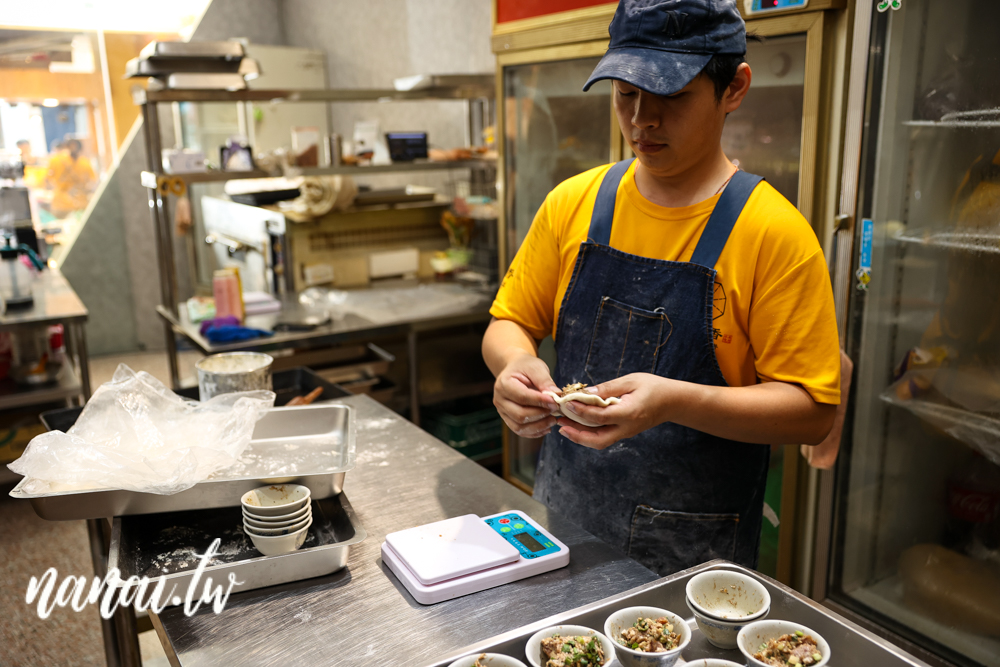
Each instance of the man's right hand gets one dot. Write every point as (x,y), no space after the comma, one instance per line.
(518,396)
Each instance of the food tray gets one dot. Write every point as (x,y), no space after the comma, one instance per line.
(850,644)
(311,445)
(168,545)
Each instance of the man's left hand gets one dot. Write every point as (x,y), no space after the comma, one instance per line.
(644,398)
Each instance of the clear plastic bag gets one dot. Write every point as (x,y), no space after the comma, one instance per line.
(136,434)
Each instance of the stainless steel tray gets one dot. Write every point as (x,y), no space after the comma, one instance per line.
(168,545)
(310,445)
(850,644)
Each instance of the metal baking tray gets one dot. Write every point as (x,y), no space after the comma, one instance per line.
(311,445)
(169,545)
(850,644)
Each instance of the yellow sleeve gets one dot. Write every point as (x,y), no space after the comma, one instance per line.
(528,292)
(793,327)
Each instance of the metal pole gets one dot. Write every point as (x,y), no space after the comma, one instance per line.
(411,345)
(83,358)
(162,234)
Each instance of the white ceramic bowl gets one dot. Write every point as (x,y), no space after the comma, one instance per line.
(276,499)
(280,544)
(718,633)
(533,650)
(282,530)
(712,662)
(489,659)
(624,618)
(276,521)
(728,596)
(760,632)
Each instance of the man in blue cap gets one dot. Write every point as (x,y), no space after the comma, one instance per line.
(692,291)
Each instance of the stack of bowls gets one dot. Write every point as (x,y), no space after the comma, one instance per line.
(724,601)
(277,517)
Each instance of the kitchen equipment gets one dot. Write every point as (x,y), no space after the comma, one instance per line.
(276,545)
(728,596)
(467,554)
(37,356)
(854,644)
(275,500)
(406,146)
(719,633)
(323,434)
(233,371)
(168,545)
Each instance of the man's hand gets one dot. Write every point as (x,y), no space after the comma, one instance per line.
(518,396)
(643,398)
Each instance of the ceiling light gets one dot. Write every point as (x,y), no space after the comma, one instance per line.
(50,102)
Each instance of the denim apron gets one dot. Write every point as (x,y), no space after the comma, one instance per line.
(670,497)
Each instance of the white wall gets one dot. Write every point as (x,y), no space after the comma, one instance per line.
(368,44)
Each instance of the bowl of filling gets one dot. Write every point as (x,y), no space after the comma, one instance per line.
(712,662)
(569,646)
(727,595)
(782,644)
(487,660)
(647,636)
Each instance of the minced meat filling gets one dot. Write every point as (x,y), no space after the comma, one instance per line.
(562,651)
(786,650)
(650,636)
(479,661)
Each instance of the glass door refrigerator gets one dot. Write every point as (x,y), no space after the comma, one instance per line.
(912,513)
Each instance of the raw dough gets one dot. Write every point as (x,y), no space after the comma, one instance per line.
(574,392)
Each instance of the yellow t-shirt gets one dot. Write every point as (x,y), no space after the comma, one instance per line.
(774,312)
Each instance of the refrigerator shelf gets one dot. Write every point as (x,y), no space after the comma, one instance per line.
(970,241)
(972,118)
(976,430)
(957,124)
(886,597)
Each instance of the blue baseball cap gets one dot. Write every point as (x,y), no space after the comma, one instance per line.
(660,46)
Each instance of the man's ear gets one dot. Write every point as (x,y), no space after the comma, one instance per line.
(738,88)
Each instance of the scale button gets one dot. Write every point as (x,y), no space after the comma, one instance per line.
(504,520)
(519,525)
(505,529)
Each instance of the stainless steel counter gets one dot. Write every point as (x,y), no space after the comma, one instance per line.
(404,478)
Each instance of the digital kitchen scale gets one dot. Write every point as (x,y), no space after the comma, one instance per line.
(467,554)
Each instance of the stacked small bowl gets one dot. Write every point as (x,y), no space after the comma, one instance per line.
(277,517)
(724,602)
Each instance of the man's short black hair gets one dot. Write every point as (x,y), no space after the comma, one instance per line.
(721,69)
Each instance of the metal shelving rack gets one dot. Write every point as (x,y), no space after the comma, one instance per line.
(478,90)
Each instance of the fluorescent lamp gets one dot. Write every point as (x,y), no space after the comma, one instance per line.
(50,102)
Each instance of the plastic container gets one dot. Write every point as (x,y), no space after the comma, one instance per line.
(467,426)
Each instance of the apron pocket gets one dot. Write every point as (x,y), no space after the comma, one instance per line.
(626,340)
(667,542)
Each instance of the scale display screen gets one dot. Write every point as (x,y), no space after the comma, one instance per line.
(529,540)
(533,545)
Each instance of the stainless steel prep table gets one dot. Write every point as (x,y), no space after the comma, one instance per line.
(352,328)
(404,477)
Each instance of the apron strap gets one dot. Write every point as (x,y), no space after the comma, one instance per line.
(604,206)
(723,219)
